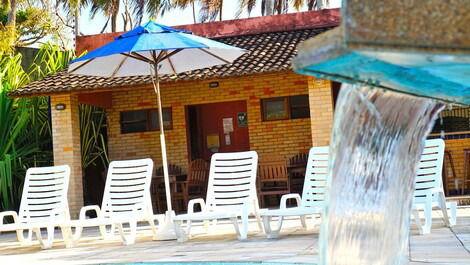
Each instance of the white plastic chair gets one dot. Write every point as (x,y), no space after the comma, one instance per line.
(43,205)
(126,199)
(231,194)
(313,194)
(429,191)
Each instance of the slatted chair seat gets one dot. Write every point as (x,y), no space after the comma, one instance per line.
(312,201)
(43,205)
(231,194)
(429,190)
(126,199)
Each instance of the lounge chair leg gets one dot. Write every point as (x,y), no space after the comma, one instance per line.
(241,235)
(180,234)
(67,236)
(453,213)
(152,226)
(130,239)
(443,206)
(19,235)
(270,233)
(427,218)
(260,222)
(303,222)
(45,244)
(78,233)
(188,227)
(415,214)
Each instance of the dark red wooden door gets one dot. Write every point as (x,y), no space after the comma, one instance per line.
(233,138)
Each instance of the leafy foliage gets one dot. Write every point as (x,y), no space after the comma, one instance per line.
(25,123)
(32,25)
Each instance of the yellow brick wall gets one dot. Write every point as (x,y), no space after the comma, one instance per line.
(321,110)
(456,147)
(286,137)
(66,141)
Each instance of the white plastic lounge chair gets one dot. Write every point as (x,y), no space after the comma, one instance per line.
(126,199)
(43,205)
(429,191)
(313,194)
(231,194)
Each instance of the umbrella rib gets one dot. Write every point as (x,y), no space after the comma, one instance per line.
(119,66)
(156,58)
(80,66)
(216,56)
(171,65)
(138,57)
(167,55)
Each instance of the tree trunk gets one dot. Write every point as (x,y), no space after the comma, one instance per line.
(77,19)
(220,11)
(194,13)
(268,7)
(12,14)
(115,16)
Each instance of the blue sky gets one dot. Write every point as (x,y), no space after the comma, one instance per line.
(175,17)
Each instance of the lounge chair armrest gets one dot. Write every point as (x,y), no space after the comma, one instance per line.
(9,213)
(85,209)
(286,197)
(193,202)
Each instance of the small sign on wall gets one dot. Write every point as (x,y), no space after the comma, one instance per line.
(242,119)
(228,125)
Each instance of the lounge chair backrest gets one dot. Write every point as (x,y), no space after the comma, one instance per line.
(316,174)
(127,187)
(232,180)
(44,196)
(429,173)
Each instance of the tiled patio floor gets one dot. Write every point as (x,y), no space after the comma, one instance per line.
(442,246)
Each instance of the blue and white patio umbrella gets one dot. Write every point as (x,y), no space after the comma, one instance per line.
(154,49)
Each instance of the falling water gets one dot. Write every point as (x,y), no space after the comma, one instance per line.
(377,140)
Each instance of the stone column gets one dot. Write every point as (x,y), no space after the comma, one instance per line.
(321,110)
(66,142)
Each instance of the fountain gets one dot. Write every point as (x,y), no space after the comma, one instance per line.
(419,49)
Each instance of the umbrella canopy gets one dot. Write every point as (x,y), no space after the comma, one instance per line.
(176,51)
(153,49)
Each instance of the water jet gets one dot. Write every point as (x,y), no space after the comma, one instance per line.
(399,62)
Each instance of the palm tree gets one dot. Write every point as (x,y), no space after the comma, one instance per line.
(183,4)
(210,9)
(311,4)
(73,9)
(158,8)
(109,8)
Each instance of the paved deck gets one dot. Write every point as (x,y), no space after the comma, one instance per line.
(442,246)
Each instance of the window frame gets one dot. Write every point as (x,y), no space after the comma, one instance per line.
(264,101)
(287,106)
(147,120)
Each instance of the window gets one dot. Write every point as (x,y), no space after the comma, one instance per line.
(144,120)
(299,107)
(275,109)
(282,108)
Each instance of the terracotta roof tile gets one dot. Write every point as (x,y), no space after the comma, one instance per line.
(268,52)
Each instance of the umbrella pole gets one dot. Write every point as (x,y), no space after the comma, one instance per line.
(166,231)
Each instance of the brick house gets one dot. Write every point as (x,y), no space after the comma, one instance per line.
(271,108)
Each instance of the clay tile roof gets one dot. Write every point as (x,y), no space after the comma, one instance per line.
(269,52)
